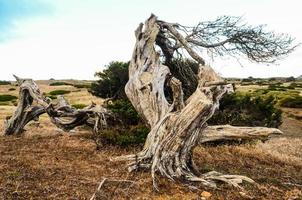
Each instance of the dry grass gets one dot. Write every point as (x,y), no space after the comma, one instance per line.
(46,163)
(286,149)
(64,166)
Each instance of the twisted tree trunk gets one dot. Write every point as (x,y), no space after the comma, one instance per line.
(178,127)
(32,104)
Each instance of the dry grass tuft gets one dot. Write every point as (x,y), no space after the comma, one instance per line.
(286,149)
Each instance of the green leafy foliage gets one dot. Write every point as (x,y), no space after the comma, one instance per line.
(134,135)
(125,111)
(112,81)
(7,97)
(245,110)
(59,92)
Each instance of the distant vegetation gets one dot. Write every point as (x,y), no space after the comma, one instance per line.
(88,86)
(291,102)
(62,83)
(7,97)
(59,92)
(59,83)
(5,82)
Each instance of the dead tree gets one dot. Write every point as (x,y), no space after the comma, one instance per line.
(32,104)
(177,127)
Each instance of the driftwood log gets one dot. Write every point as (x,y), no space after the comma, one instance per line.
(177,127)
(32,104)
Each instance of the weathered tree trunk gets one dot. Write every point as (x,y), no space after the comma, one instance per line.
(32,104)
(178,127)
(221,133)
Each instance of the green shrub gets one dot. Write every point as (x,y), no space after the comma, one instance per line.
(59,83)
(134,135)
(125,111)
(5,82)
(59,92)
(7,97)
(244,110)
(79,106)
(11,89)
(295,85)
(276,87)
(292,102)
(88,86)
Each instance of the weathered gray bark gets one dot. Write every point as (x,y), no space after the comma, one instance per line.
(221,133)
(32,104)
(178,127)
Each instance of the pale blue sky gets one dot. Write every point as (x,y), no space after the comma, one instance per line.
(45,39)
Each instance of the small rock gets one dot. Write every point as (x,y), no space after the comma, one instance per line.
(244,195)
(206,194)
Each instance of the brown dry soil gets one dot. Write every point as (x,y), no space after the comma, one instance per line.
(46,163)
(67,166)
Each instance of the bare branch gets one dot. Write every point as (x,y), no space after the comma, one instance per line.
(229,36)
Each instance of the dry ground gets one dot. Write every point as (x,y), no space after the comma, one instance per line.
(47,163)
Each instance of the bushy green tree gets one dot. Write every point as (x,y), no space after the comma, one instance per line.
(112,81)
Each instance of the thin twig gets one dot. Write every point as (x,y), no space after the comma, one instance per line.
(99,188)
(293,184)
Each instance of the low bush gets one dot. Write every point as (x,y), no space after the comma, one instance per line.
(5,83)
(59,92)
(59,83)
(79,106)
(125,111)
(295,85)
(80,86)
(292,102)
(277,87)
(11,89)
(134,135)
(244,110)
(128,130)
(7,97)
